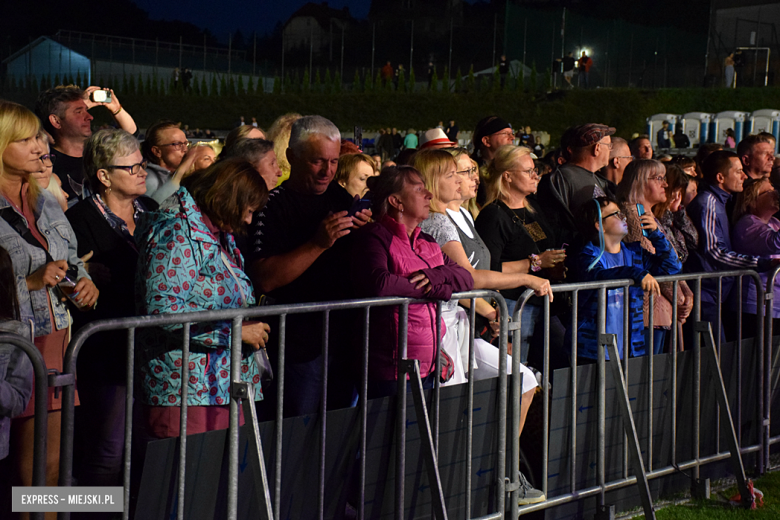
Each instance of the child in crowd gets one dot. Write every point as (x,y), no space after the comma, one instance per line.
(605,257)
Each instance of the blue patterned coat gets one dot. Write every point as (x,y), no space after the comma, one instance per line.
(182,270)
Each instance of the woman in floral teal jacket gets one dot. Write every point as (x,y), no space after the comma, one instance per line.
(189,262)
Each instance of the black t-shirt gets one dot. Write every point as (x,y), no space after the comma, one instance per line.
(289,220)
(513,234)
(568,63)
(70,170)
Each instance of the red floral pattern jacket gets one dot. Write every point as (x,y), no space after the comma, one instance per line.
(181,269)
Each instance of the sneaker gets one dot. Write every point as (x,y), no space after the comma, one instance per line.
(527,493)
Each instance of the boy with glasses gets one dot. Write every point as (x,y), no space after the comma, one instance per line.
(606,257)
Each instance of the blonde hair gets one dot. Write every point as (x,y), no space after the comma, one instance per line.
(348,163)
(17,122)
(505,159)
(279,133)
(632,187)
(469,205)
(746,199)
(433,164)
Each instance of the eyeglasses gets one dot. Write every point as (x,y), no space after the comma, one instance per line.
(631,157)
(618,214)
(531,172)
(658,178)
(608,145)
(470,171)
(177,146)
(49,157)
(132,169)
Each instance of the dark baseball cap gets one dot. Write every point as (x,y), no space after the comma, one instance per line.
(488,126)
(585,135)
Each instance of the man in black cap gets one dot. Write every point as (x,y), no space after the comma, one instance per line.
(562,193)
(491,133)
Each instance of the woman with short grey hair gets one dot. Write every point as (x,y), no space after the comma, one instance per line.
(104,225)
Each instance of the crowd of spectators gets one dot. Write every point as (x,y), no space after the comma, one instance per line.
(297,215)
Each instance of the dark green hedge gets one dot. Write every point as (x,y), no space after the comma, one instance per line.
(625,109)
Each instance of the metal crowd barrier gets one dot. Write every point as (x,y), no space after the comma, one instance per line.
(42,381)
(644,467)
(772,362)
(269,490)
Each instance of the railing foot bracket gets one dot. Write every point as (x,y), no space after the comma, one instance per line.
(605,512)
(700,488)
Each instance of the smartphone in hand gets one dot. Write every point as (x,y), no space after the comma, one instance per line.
(640,209)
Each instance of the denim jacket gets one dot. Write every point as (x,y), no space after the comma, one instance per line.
(55,229)
(16,381)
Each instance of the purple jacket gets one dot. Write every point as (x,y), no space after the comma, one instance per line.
(384,258)
(751,236)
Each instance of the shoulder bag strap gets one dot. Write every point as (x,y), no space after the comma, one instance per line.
(17,223)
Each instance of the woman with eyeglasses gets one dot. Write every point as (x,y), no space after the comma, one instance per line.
(642,188)
(105,225)
(46,178)
(42,246)
(516,233)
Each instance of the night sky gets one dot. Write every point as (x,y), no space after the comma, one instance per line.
(228,15)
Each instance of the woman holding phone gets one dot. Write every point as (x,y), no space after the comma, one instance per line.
(642,188)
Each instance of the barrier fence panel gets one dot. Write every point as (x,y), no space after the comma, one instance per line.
(242,394)
(41,388)
(643,455)
(772,362)
(705,371)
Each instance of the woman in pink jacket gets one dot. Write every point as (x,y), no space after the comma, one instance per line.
(392,257)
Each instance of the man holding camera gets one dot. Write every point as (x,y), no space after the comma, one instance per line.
(64,112)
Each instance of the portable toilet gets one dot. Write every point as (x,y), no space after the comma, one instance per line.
(729,119)
(655,123)
(696,126)
(766,120)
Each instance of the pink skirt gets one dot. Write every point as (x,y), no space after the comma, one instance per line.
(164,421)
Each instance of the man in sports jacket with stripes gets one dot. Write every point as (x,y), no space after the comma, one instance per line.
(723,178)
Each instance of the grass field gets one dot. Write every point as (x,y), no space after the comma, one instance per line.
(718,508)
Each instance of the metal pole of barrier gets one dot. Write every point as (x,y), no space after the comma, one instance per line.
(40,427)
(323,412)
(675,339)
(279,426)
(719,389)
(769,297)
(412,367)
(470,409)
(437,381)
(626,350)
(763,404)
(651,357)
(502,402)
(573,447)
(545,395)
(235,377)
(738,403)
(185,376)
(602,383)
(514,456)
(400,425)
(130,381)
(720,314)
(697,380)
(364,414)
(621,384)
